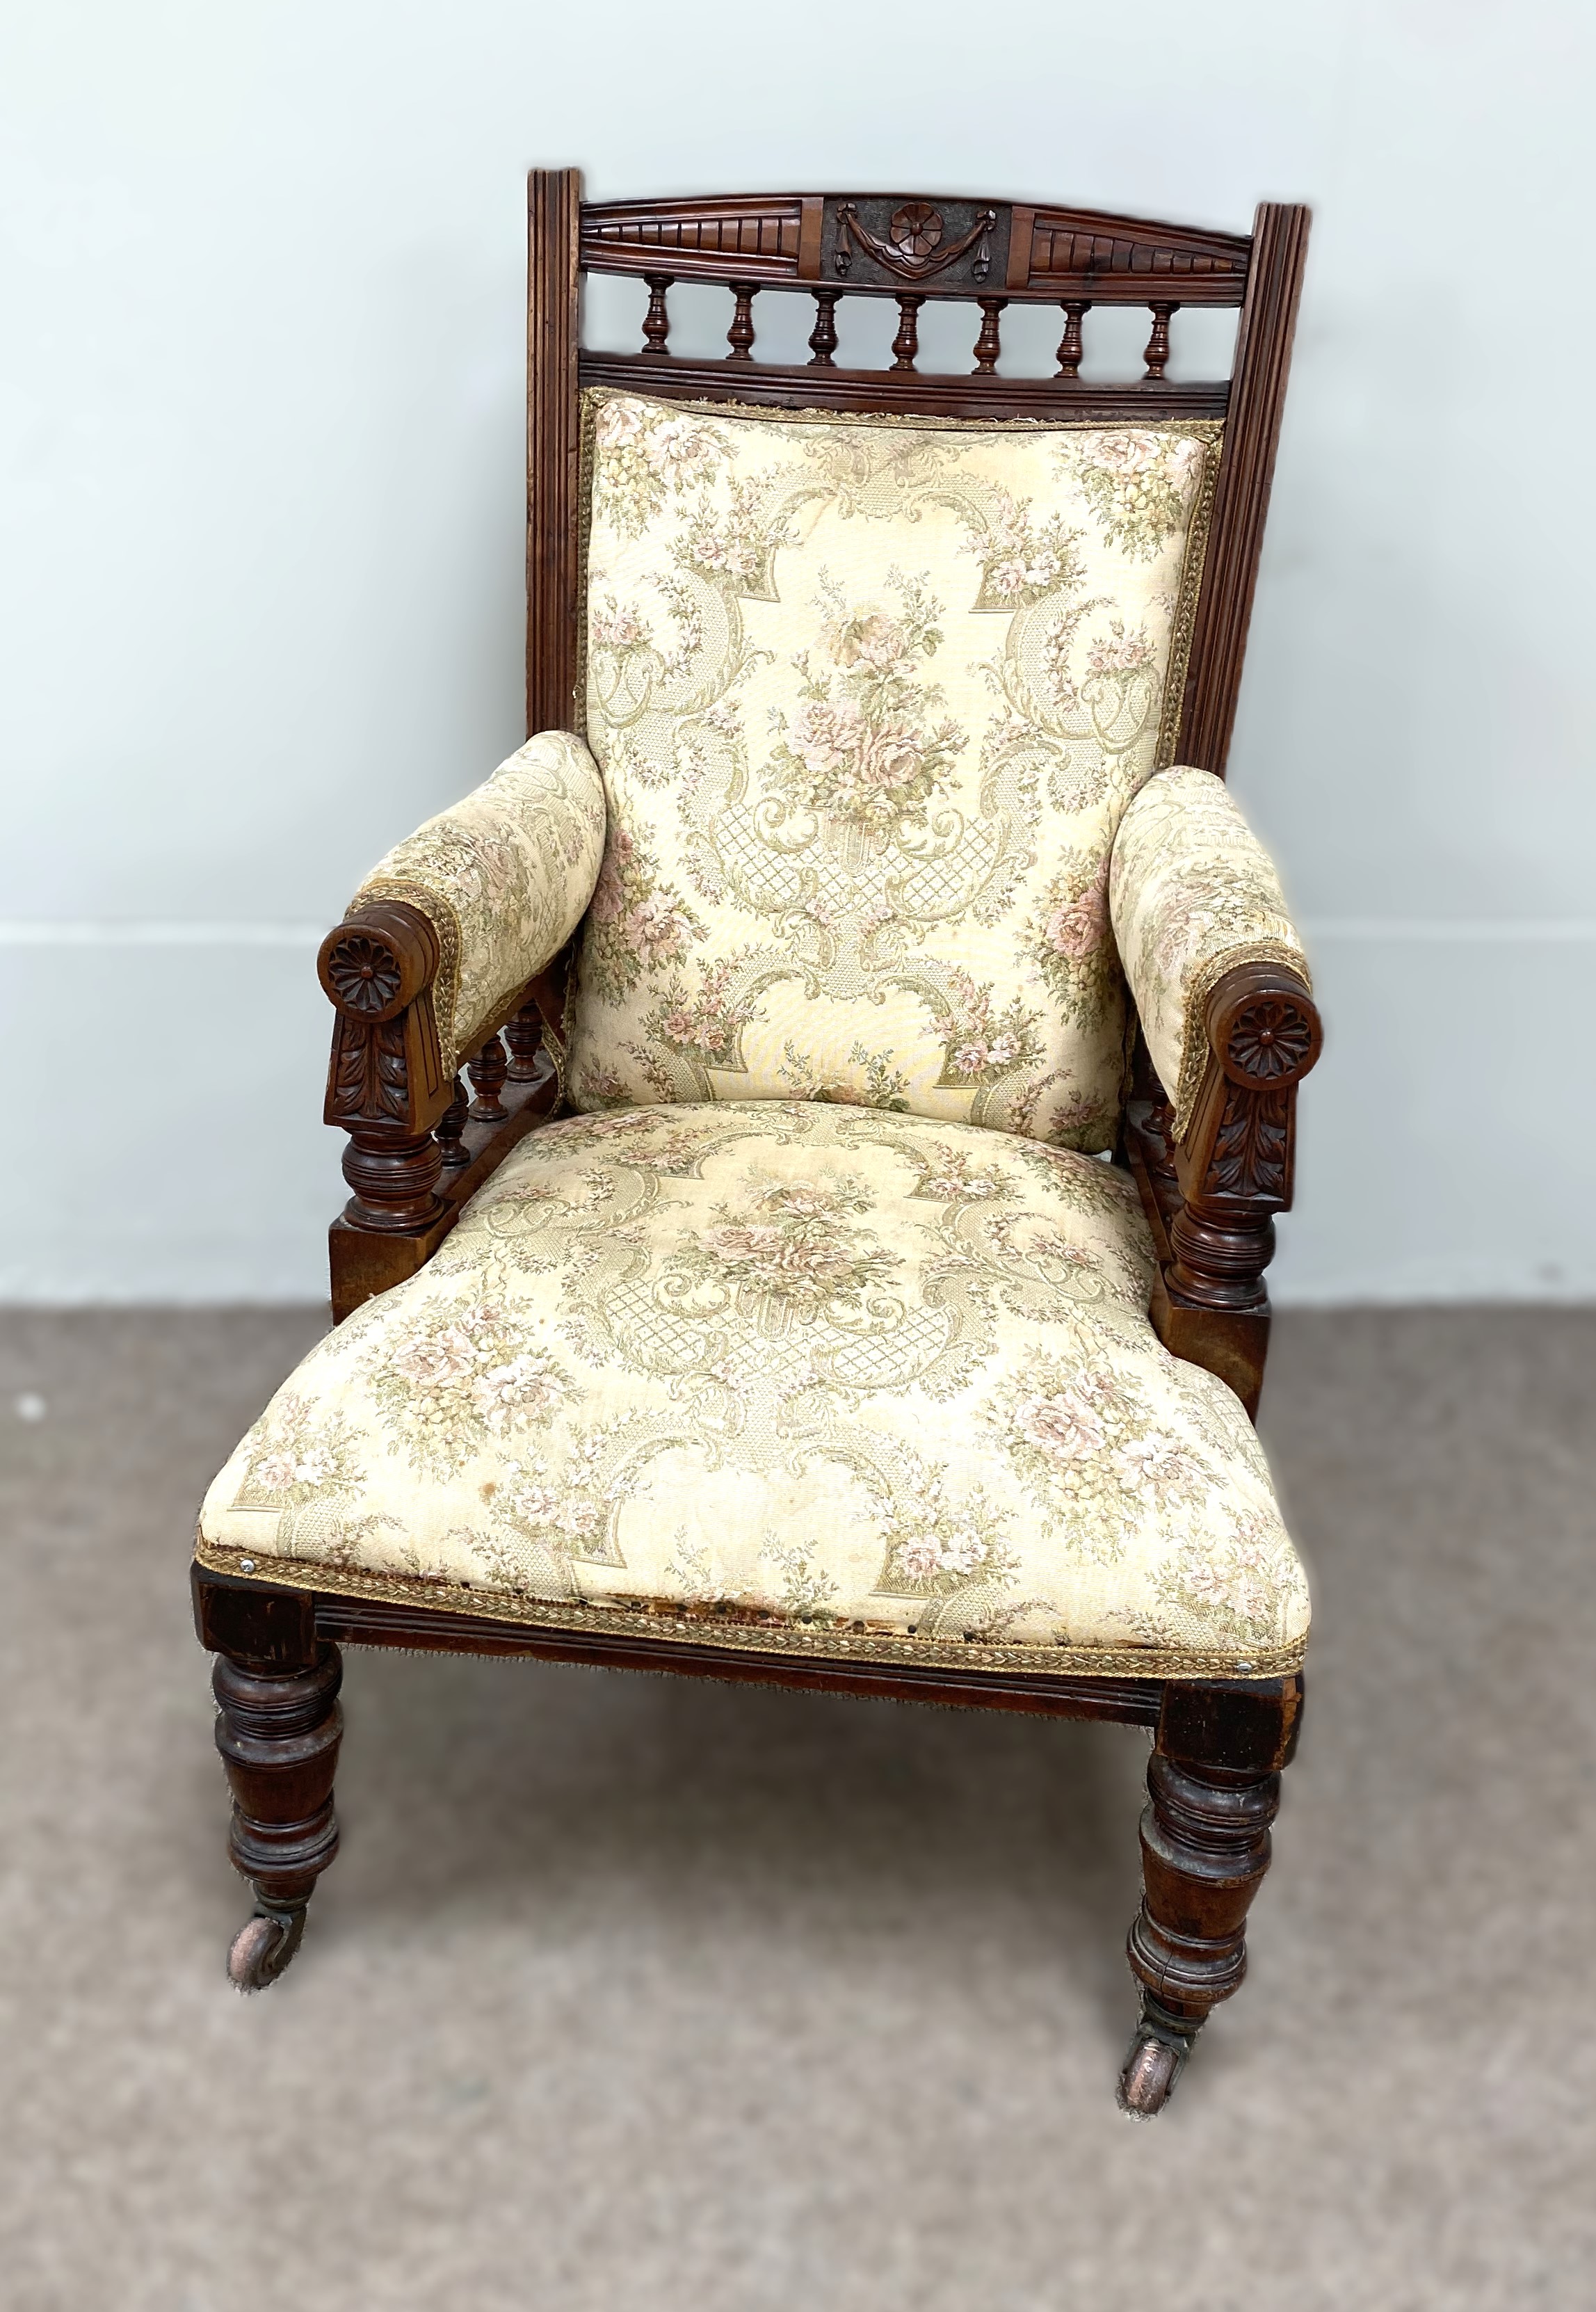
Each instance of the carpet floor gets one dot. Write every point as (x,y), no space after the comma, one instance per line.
(634,1991)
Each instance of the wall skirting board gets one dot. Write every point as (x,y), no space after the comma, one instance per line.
(1419,1131)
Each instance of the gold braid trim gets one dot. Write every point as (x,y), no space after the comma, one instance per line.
(1201,428)
(671,1626)
(1211,432)
(586,416)
(1194,1026)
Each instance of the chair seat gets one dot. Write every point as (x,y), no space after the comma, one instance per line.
(795,1377)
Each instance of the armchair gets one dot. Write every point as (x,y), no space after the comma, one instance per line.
(816,1115)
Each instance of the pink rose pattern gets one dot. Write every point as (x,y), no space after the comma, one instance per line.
(1070,941)
(860,747)
(1140,486)
(983,1042)
(1086,1444)
(298,1455)
(462,1376)
(799,1242)
(705,1022)
(636,922)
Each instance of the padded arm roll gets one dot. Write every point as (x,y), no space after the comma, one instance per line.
(1193,894)
(504,877)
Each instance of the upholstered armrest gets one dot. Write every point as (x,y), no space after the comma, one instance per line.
(1230,1028)
(503,878)
(1194,895)
(447,941)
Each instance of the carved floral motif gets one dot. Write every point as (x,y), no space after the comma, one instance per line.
(1272,1037)
(363,972)
(914,249)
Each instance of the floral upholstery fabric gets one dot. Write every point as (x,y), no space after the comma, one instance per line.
(869,699)
(503,876)
(784,1375)
(1192,893)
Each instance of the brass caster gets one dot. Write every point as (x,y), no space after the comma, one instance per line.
(263,1946)
(1156,2058)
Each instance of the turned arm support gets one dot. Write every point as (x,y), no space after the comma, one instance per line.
(1229,1026)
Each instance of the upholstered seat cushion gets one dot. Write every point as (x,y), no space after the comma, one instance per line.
(790,1374)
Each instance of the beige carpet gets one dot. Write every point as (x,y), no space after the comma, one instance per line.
(631,1992)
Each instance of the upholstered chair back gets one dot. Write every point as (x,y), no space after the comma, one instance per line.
(869,696)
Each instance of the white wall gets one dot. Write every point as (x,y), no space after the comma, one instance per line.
(261,405)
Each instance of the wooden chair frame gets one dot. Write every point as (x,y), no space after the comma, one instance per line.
(420,1145)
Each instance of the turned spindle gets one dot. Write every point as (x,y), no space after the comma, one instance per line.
(1156,353)
(487,1073)
(989,345)
(657,321)
(1205,1841)
(906,344)
(823,337)
(740,335)
(1070,347)
(1221,1249)
(524,1035)
(449,1127)
(394,1175)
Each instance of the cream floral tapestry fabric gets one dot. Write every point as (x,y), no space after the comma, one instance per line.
(1194,893)
(784,1374)
(869,699)
(503,876)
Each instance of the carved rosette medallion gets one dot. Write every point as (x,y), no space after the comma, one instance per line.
(363,975)
(1272,1038)
(916,230)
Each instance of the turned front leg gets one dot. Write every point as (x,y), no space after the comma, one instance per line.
(1205,1843)
(278,1731)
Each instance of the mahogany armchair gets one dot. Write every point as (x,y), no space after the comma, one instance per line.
(843,1267)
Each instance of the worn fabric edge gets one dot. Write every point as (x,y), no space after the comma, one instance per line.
(795,1641)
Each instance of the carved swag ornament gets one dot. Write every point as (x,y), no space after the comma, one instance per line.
(915,249)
